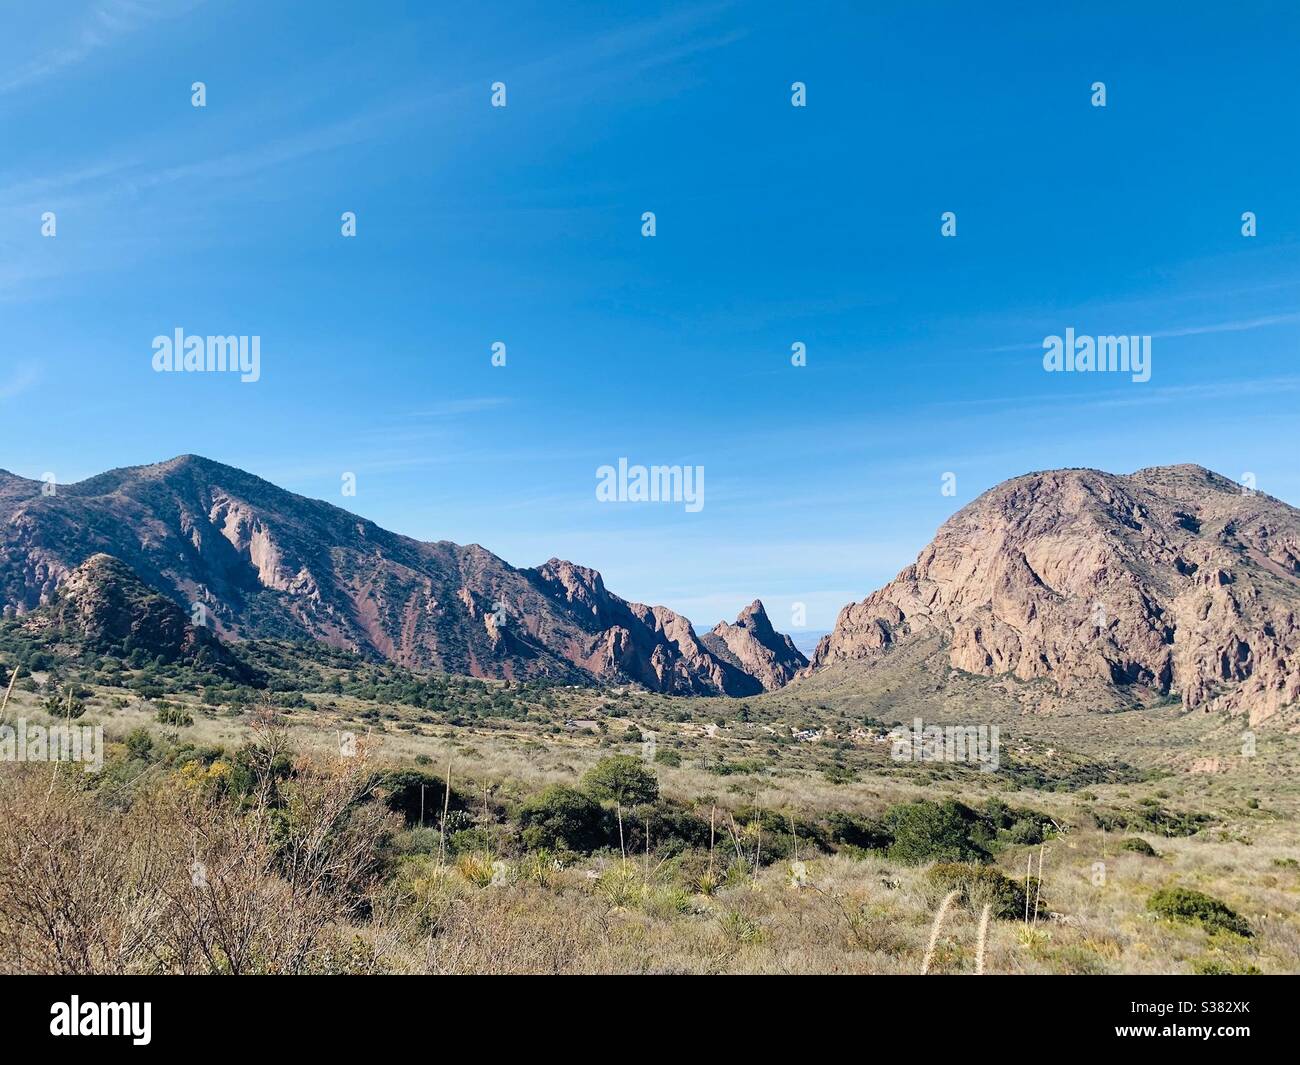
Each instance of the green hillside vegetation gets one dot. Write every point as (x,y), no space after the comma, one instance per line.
(616,830)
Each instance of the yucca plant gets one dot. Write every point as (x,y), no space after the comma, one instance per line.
(708,882)
(540,868)
(621,886)
(739,928)
(477,868)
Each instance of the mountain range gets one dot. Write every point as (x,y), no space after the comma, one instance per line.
(266,562)
(1169,583)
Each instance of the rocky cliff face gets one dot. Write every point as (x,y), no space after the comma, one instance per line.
(753,646)
(104,607)
(266,562)
(650,644)
(1173,579)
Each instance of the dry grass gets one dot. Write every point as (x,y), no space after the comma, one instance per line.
(854,916)
(94,883)
(183,880)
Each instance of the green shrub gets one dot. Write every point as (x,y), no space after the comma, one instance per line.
(1025,832)
(673,829)
(1214,967)
(139,743)
(744,766)
(402,790)
(563,818)
(1152,819)
(173,715)
(1195,907)
(858,833)
(61,706)
(668,757)
(933,831)
(1138,845)
(622,779)
(1008,825)
(980,885)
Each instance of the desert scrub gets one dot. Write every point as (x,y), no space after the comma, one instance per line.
(481,870)
(737,873)
(541,868)
(563,818)
(981,885)
(1076,959)
(666,900)
(740,929)
(620,886)
(872,927)
(925,831)
(425,891)
(1195,907)
(707,882)
(1153,819)
(1216,967)
(173,715)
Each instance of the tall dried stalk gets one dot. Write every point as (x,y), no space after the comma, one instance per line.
(446,800)
(1038,888)
(934,932)
(8,692)
(1029,868)
(981,939)
(735,836)
(713,810)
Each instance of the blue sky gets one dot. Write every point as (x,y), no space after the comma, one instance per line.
(775,224)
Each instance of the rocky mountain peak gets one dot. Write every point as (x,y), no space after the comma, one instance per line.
(754,617)
(1172,579)
(753,646)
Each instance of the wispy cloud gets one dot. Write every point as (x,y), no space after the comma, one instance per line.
(1239,325)
(634,49)
(25,378)
(107,22)
(455,407)
(109,180)
(1135,397)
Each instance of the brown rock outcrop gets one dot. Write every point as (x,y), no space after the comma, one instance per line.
(1174,579)
(753,646)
